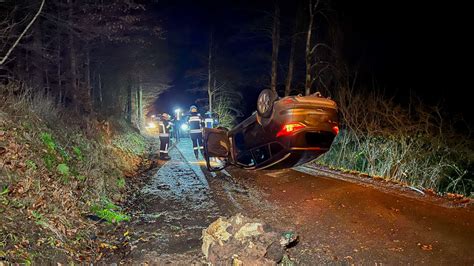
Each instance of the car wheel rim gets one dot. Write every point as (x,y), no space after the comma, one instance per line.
(264,103)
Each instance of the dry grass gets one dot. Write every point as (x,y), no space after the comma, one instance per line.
(417,144)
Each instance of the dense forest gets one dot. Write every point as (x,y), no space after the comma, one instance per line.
(80,79)
(91,57)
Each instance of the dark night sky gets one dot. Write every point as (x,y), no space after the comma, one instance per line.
(401,45)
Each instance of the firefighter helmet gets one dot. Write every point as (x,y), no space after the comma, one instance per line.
(193,108)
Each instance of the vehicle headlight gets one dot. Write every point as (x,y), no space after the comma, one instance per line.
(185,127)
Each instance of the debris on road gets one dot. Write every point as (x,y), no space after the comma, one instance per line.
(239,240)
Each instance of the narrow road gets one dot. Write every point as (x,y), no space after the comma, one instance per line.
(169,214)
(337,219)
(360,223)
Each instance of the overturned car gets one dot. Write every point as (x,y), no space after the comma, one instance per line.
(282,133)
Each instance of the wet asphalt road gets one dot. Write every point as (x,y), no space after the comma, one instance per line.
(363,223)
(339,221)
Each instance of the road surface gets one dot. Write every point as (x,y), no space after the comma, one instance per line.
(338,219)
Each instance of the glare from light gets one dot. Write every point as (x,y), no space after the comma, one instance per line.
(153,115)
(177,110)
(185,127)
(151,125)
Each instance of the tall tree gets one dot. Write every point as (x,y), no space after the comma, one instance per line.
(275,46)
(291,60)
(309,51)
(210,82)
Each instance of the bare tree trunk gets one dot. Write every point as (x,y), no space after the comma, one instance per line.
(209,81)
(58,62)
(100,90)
(140,105)
(90,88)
(276,45)
(291,61)
(72,59)
(308,81)
(129,102)
(37,59)
(214,92)
(136,106)
(47,89)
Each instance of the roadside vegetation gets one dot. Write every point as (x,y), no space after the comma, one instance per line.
(58,173)
(417,145)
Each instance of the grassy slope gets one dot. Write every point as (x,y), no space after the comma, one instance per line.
(54,169)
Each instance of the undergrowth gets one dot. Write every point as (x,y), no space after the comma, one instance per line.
(55,169)
(417,145)
(108,211)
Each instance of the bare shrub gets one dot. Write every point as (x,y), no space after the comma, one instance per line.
(19,99)
(417,145)
(226,111)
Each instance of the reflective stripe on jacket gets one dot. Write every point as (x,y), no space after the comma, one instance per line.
(209,122)
(164,127)
(195,122)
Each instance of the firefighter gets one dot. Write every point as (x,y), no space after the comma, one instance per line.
(164,127)
(195,129)
(208,120)
(177,124)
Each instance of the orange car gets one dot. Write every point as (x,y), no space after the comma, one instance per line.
(282,133)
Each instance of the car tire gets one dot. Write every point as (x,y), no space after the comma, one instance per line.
(265,101)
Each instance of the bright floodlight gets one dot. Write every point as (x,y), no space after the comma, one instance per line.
(151,125)
(177,110)
(185,127)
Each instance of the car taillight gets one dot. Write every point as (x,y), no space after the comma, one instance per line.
(290,128)
(335,129)
(288,101)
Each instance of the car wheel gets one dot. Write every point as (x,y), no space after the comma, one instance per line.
(265,102)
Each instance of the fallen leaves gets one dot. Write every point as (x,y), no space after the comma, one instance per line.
(454,196)
(396,249)
(425,247)
(107,246)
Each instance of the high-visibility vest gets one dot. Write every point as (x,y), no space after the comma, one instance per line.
(164,127)
(195,122)
(209,122)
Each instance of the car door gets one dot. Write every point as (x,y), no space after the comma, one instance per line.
(217,148)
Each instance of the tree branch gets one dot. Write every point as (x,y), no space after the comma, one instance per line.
(23,33)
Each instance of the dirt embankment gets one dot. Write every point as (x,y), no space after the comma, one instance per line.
(55,171)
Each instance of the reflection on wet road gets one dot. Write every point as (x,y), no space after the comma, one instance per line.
(172,209)
(338,221)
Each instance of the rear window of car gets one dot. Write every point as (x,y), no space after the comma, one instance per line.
(261,154)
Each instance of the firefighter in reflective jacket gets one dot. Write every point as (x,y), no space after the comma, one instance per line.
(164,127)
(208,120)
(195,129)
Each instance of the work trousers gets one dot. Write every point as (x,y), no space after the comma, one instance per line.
(197,143)
(164,146)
